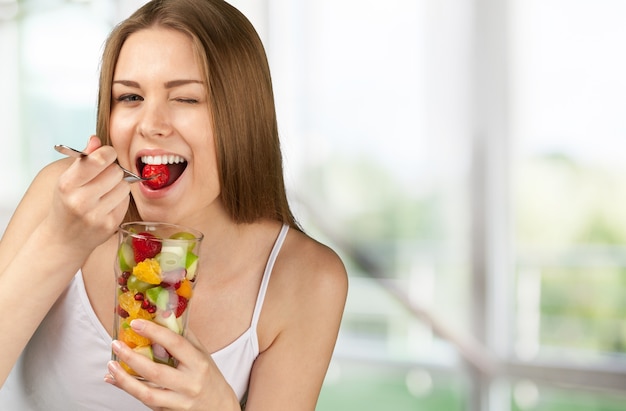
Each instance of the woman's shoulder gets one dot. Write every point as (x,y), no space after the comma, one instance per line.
(310,270)
(308,288)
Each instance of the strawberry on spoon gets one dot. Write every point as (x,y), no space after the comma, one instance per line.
(159,175)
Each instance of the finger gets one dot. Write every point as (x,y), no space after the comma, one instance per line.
(187,354)
(154,397)
(86,169)
(98,196)
(158,374)
(175,344)
(92,144)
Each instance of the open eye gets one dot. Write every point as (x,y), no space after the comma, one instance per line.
(129,98)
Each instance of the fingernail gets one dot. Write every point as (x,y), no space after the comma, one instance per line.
(113,367)
(116,345)
(109,378)
(137,325)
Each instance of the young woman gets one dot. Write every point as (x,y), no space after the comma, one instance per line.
(184,83)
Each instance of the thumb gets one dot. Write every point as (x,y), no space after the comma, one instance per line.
(93,144)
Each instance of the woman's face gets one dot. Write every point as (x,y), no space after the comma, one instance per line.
(160,124)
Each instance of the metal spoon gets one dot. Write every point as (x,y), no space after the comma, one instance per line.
(128,176)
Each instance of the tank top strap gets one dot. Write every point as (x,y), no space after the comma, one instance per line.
(267,274)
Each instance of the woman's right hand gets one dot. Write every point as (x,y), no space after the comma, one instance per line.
(69,209)
(90,198)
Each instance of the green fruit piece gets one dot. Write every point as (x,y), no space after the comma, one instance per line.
(191,264)
(163,299)
(153,294)
(169,320)
(171,258)
(184,235)
(146,351)
(126,257)
(136,285)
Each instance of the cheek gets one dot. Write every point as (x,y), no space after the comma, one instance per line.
(120,130)
(120,136)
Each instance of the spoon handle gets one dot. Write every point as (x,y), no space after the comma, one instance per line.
(69,151)
(72,152)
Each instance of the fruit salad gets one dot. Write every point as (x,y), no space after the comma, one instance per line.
(155,276)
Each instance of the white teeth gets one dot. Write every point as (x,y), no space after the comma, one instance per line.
(164,159)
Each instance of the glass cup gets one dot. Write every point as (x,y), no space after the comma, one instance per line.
(155,272)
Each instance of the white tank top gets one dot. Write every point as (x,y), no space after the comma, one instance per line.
(63,366)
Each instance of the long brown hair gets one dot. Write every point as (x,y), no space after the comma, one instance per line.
(241,101)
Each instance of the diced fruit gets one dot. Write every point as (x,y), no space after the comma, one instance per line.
(153,295)
(131,338)
(146,351)
(148,271)
(164,300)
(126,257)
(161,355)
(122,312)
(134,309)
(183,235)
(162,173)
(181,306)
(184,289)
(145,246)
(175,247)
(191,264)
(127,368)
(173,277)
(135,284)
(170,321)
(171,259)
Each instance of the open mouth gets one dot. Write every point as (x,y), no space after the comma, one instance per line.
(163,170)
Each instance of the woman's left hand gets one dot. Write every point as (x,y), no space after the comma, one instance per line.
(196,384)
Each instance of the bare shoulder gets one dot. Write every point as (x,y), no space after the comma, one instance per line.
(299,325)
(309,285)
(310,266)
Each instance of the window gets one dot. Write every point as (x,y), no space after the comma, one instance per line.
(464,158)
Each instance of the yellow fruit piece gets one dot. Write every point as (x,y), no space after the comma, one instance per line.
(131,338)
(133,307)
(185,290)
(129,304)
(148,271)
(128,369)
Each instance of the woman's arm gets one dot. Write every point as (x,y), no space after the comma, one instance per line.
(305,303)
(69,209)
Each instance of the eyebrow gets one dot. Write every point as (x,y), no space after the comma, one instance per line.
(168,85)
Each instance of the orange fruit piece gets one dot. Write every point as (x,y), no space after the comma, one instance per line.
(128,369)
(149,271)
(185,290)
(131,338)
(129,304)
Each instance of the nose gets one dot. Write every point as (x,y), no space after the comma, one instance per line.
(154,120)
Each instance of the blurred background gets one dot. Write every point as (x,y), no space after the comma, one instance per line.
(464,157)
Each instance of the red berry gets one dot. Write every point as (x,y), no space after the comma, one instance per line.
(145,304)
(122,312)
(162,173)
(138,297)
(145,246)
(182,305)
(152,309)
